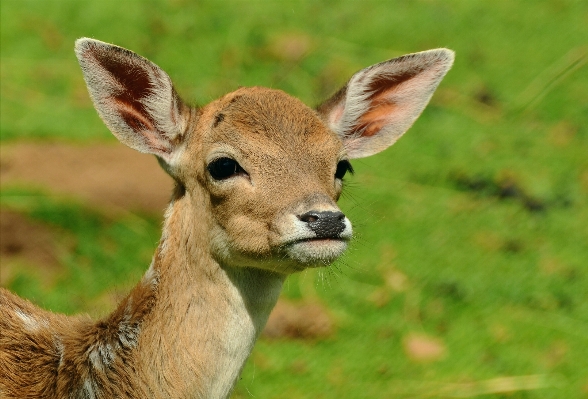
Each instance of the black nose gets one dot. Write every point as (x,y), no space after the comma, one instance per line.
(325,224)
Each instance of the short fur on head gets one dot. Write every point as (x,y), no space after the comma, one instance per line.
(258,175)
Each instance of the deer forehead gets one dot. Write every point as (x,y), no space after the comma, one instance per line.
(266,126)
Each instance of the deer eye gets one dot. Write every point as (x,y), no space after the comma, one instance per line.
(223,168)
(342,168)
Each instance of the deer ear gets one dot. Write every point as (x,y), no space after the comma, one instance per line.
(134,98)
(381,102)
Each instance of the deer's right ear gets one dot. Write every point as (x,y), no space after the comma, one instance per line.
(134,97)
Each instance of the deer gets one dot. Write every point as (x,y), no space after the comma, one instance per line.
(257,175)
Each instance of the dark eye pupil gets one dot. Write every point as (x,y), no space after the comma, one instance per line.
(342,168)
(223,168)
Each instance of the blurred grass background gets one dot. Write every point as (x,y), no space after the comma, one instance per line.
(469,277)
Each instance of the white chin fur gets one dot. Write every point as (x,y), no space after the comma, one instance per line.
(316,252)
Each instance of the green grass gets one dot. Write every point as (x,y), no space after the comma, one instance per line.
(500,280)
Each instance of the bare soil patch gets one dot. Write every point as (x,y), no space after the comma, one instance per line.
(20,237)
(104,175)
(24,242)
(299,321)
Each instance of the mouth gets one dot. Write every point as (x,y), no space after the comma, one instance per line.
(316,251)
(325,240)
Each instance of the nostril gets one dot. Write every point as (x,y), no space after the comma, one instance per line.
(309,217)
(339,215)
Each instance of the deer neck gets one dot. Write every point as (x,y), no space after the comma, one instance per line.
(206,316)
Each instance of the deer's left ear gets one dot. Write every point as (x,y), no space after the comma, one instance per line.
(381,102)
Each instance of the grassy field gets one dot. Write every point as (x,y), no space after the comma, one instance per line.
(470,274)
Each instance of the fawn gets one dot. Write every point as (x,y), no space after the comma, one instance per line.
(257,176)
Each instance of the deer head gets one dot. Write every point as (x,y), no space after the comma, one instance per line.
(262,170)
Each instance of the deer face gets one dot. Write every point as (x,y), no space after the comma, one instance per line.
(272,180)
(263,170)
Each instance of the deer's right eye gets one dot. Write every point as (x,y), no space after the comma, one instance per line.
(223,168)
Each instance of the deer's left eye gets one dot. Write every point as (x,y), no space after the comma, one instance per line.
(342,168)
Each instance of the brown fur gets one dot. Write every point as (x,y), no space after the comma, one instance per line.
(227,245)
